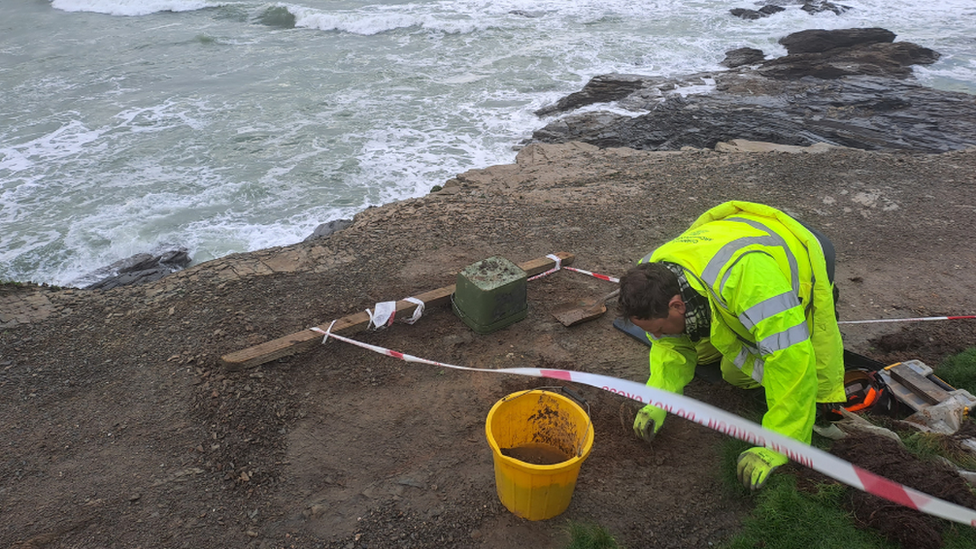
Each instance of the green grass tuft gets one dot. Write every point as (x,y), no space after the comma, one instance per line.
(590,536)
(730,450)
(959,370)
(786,518)
(929,446)
(958,536)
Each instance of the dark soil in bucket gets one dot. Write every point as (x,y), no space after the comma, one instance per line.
(536,454)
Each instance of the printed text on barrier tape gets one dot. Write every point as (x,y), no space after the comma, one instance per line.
(730,424)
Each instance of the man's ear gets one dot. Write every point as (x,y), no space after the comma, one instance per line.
(677,304)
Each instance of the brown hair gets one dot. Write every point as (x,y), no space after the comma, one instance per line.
(646,290)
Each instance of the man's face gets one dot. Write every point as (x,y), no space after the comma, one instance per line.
(673,324)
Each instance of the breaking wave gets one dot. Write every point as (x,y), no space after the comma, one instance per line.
(133,7)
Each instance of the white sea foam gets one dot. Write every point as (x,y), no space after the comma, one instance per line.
(67,141)
(133,7)
(355,22)
(222,131)
(370,20)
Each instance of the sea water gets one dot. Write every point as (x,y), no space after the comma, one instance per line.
(131,126)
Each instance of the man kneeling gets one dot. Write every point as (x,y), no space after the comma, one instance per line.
(752,287)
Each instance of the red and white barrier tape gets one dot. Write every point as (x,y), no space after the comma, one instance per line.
(559,266)
(730,424)
(880,320)
(595,275)
(384,313)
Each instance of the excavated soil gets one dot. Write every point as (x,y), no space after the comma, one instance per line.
(886,457)
(121,428)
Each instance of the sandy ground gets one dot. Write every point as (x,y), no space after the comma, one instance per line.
(120,428)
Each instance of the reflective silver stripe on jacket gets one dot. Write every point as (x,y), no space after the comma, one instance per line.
(768,308)
(740,359)
(758,365)
(724,255)
(758,369)
(781,340)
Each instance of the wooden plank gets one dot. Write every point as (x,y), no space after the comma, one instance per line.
(306,339)
(917,383)
(905,395)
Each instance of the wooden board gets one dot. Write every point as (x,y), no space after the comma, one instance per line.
(917,383)
(904,394)
(306,339)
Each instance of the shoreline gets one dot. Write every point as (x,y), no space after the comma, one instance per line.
(851,53)
(335,226)
(452,186)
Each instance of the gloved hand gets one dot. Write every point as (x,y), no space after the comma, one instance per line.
(648,422)
(755,465)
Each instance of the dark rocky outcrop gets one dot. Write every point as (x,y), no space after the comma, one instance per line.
(777,6)
(138,269)
(877,59)
(600,89)
(742,56)
(764,11)
(817,7)
(819,40)
(326,229)
(849,87)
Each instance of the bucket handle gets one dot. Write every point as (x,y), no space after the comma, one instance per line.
(578,398)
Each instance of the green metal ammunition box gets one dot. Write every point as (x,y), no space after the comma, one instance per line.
(490,295)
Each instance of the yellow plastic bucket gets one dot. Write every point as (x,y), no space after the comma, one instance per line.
(534,425)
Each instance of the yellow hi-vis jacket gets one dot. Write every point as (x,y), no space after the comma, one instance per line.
(765,278)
